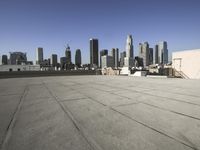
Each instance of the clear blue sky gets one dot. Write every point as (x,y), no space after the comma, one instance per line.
(51,24)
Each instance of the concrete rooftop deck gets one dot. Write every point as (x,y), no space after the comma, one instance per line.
(99,113)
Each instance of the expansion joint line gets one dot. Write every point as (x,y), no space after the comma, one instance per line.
(11,125)
(80,130)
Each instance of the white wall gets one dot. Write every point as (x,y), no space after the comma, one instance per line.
(188,62)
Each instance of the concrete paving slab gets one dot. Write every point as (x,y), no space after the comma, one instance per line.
(45,126)
(8,105)
(177,126)
(181,108)
(112,130)
(99,112)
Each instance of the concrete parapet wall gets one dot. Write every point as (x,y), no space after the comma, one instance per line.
(19,74)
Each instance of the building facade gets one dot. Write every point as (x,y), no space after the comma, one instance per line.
(162,52)
(102,53)
(54,60)
(129,59)
(18,58)
(151,56)
(144,53)
(115,55)
(122,56)
(187,63)
(78,58)
(68,55)
(107,61)
(4,60)
(63,61)
(39,55)
(94,50)
(156,55)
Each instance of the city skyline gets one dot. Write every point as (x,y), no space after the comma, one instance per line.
(26,25)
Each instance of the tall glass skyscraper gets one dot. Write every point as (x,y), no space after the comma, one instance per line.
(94,50)
(129,47)
(129,59)
(162,52)
(78,58)
(115,55)
(156,55)
(39,55)
(102,53)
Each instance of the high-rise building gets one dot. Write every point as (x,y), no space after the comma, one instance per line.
(4,60)
(162,53)
(63,61)
(107,61)
(78,58)
(156,55)
(122,56)
(102,53)
(39,55)
(94,50)
(129,59)
(129,46)
(18,58)
(54,60)
(150,56)
(68,55)
(115,55)
(144,53)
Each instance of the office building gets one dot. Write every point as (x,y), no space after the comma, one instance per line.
(103,53)
(122,56)
(129,59)
(4,60)
(63,61)
(78,58)
(17,58)
(39,55)
(54,60)
(68,55)
(144,53)
(94,50)
(129,47)
(150,56)
(156,54)
(115,55)
(162,53)
(107,61)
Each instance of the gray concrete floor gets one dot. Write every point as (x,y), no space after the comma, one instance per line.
(99,113)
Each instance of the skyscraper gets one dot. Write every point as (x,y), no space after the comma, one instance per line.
(94,50)
(107,61)
(18,58)
(4,60)
(115,55)
(162,52)
(156,55)
(150,56)
(129,59)
(122,56)
(39,55)
(144,53)
(78,58)
(129,47)
(68,55)
(63,61)
(54,60)
(102,53)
